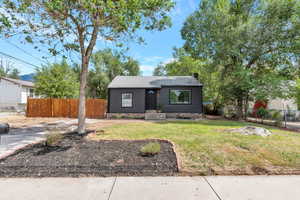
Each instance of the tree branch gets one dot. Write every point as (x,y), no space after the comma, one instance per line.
(80,34)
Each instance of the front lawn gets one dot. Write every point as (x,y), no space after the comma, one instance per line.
(206,147)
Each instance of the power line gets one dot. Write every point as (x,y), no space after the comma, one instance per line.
(16,46)
(19,59)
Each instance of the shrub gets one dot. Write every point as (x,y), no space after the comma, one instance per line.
(277,117)
(150,149)
(52,139)
(262,113)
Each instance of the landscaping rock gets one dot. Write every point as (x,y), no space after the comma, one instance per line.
(252,130)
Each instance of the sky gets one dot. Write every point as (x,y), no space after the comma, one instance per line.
(158,47)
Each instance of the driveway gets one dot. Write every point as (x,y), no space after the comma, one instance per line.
(153,188)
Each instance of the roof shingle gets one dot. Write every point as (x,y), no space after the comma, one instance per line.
(152,81)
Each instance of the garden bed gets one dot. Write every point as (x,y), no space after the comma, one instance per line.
(76,156)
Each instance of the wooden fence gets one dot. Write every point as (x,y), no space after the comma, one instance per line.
(95,108)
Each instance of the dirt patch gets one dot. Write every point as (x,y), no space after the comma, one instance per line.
(75,156)
(103,123)
(21,121)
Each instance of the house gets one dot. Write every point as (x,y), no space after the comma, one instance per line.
(14,93)
(176,96)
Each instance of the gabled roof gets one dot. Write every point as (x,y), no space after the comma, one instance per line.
(19,82)
(152,81)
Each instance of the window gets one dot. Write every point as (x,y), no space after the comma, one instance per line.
(126,100)
(180,96)
(31,93)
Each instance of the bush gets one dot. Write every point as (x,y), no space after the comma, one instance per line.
(52,139)
(150,149)
(277,117)
(262,113)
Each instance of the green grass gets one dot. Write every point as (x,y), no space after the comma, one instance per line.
(206,145)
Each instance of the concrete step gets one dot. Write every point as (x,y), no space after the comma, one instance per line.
(155,116)
(151,111)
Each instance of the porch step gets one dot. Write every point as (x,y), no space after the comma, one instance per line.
(155,116)
(151,111)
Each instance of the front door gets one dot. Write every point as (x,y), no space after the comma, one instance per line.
(151,97)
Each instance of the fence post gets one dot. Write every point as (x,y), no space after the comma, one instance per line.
(284,111)
(52,107)
(27,103)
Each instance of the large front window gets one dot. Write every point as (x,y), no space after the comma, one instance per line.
(126,100)
(180,96)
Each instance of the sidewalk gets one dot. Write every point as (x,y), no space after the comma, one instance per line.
(290,125)
(153,188)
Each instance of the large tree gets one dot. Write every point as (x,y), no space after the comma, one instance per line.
(106,65)
(57,80)
(185,65)
(254,44)
(77,24)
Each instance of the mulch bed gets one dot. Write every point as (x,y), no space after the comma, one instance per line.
(76,156)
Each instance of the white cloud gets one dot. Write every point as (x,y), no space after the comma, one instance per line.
(169,60)
(152,59)
(147,69)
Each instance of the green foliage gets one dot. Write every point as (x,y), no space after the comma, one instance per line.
(57,81)
(277,117)
(53,139)
(83,21)
(297,93)
(77,25)
(150,149)
(262,113)
(185,65)
(106,66)
(252,44)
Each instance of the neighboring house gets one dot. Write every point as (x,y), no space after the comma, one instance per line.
(142,94)
(282,104)
(14,93)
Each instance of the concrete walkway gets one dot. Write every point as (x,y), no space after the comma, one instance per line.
(153,188)
(18,138)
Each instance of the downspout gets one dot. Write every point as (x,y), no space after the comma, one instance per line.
(108,101)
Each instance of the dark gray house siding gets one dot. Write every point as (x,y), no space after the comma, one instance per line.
(115,100)
(138,100)
(194,107)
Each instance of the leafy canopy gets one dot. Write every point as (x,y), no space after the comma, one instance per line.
(76,24)
(106,65)
(185,65)
(57,80)
(253,43)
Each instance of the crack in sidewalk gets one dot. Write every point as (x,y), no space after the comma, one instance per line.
(112,188)
(212,188)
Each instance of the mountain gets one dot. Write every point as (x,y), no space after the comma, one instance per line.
(27,77)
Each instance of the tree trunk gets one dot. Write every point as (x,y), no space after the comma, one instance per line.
(240,108)
(246,106)
(82,98)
